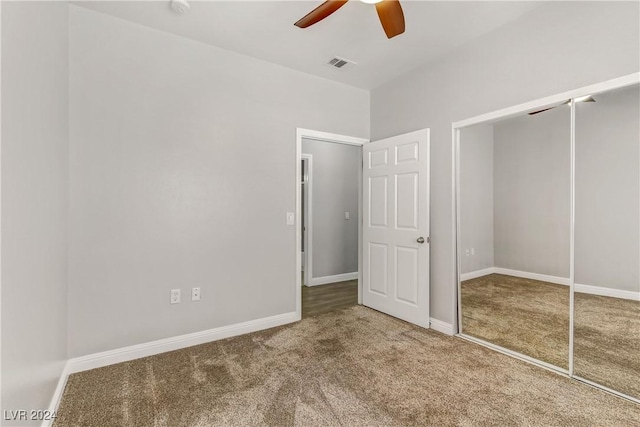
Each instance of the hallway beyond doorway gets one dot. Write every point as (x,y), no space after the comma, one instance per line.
(330,297)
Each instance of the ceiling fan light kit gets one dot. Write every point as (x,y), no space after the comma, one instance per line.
(389,12)
(586,98)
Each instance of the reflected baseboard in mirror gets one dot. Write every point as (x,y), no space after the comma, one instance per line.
(528,316)
(607,342)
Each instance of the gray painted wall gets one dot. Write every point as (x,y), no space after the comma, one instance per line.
(476,197)
(514,64)
(34,202)
(336,170)
(532,161)
(182,167)
(608,190)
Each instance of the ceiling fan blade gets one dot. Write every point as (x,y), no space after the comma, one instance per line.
(550,108)
(541,111)
(320,12)
(391,17)
(588,98)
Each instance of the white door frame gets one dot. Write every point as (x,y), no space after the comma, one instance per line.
(327,137)
(308,220)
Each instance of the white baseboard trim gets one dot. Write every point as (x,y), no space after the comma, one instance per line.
(477,273)
(315,281)
(607,292)
(125,354)
(57,394)
(533,276)
(586,289)
(440,326)
(516,273)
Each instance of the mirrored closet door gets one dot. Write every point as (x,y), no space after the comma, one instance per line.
(514,232)
(548,232)
(607,240)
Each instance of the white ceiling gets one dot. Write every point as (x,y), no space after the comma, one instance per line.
(265,30)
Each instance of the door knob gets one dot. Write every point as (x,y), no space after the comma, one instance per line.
(420,240)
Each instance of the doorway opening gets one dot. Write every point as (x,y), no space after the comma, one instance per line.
(329,222)
(393,244)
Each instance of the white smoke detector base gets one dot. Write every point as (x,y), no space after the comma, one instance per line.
(180,6)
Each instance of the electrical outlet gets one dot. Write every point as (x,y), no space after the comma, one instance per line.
(347,215)
(175,296)
(195,294)
(467,252)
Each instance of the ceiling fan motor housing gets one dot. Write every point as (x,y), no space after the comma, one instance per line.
(180,6)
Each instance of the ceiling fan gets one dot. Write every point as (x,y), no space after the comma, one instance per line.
(587,98)
(389,12)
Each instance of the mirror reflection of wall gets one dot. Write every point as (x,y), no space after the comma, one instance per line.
(515,233)
(607,241)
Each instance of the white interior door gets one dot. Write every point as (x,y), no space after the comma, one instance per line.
(396,226)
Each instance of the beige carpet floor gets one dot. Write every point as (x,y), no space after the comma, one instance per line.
(352,367)
(527,316)
(607,342)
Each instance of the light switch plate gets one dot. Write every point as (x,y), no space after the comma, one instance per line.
(291,218)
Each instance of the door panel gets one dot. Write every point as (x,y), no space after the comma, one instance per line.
(406,198)
(378,186)
(396,212)
(378,269)
(407,275)
(407,153)
(378,158)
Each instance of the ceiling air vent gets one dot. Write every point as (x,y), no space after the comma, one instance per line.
(340,63)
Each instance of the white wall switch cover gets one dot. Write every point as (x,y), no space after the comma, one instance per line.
(347,215)
(195,294)
(291,218)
